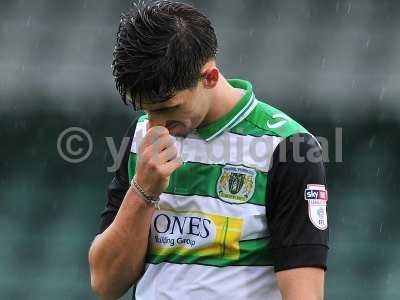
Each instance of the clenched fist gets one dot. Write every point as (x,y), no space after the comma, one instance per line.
(157,159)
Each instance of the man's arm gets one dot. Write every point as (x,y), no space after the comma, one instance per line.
(108,257)
(297,219)
(117,255)
(301,284)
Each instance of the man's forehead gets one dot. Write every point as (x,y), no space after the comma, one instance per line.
(147,104)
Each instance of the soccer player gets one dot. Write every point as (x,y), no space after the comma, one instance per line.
(219,195)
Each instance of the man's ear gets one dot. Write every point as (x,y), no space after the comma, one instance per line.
(210,77)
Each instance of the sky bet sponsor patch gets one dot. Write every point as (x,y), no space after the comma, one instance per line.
(195,234)
(317,196)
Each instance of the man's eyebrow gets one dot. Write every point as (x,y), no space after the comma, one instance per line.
(166,108)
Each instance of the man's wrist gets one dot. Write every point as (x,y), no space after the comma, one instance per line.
(148,199)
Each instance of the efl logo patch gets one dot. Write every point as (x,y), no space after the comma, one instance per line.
(317,196)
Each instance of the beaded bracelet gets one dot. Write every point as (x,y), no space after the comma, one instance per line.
(150,200)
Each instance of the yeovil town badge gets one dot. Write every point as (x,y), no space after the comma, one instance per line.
(236,184)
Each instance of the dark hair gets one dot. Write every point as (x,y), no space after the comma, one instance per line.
(160,50)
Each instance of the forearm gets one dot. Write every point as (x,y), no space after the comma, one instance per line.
(301,284)
(302,294)
(117,255)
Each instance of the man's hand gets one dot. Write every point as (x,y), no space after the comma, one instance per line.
(157,159)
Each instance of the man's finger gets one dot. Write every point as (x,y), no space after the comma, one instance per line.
(167,154)
(153,136)
(157,144)
(153,123)
(171,166)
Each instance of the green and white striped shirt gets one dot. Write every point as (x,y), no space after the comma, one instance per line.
(210,240)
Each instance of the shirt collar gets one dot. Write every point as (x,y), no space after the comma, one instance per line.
(241,110)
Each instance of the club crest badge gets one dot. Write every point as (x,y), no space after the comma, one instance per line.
(317,197)
(236,184)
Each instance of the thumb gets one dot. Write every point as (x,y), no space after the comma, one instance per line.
(152,123)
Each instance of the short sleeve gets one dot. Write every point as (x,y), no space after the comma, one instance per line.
(296,206)
(118,186)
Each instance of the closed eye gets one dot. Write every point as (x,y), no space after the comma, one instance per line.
(165,109)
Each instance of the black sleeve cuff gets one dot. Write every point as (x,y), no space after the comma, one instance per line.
(300,256)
